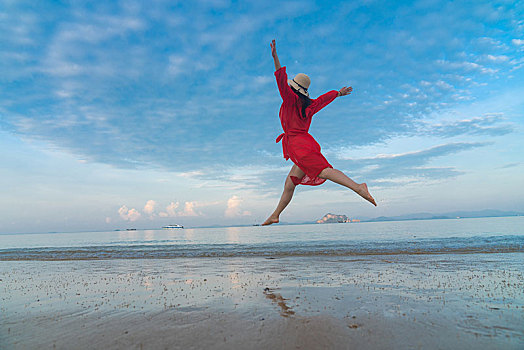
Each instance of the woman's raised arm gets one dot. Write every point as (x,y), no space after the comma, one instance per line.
(274,54)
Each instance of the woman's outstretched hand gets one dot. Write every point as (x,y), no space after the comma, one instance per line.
(345,91)
(274,54)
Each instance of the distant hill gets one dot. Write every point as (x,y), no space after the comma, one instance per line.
(451,215)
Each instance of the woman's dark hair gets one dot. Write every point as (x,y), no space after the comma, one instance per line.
(304,102)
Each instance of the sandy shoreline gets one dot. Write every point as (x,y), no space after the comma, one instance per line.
(431,302)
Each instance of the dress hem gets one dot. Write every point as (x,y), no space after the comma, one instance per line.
(309,181)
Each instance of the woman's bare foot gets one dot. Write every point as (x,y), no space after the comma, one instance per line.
(364,193)
(271,220)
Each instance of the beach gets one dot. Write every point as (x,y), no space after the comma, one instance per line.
(427,301)
(220,174)
(429,284)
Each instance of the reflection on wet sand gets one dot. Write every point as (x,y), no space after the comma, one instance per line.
(280,301)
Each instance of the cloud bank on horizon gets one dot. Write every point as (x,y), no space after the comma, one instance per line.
(186,89)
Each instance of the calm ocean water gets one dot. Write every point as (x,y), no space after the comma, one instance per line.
(482,235)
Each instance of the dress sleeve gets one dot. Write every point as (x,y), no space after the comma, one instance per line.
(321,102)
(283,87)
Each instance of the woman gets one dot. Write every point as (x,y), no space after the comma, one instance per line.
(310,167)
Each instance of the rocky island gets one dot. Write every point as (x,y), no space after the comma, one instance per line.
(334,218)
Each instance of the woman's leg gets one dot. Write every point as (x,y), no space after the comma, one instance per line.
(341,179)
(289,188)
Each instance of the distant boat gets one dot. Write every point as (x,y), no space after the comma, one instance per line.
(173,226)
(130,229)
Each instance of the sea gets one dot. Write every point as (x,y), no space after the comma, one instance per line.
(449,236)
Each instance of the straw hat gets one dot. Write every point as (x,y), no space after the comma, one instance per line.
(300,83)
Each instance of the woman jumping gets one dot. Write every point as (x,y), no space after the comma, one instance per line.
(310,167)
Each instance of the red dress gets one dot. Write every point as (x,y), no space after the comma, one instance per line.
(297,143)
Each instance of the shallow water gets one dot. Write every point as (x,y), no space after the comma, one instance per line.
(480,235)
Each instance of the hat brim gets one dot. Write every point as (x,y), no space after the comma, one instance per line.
(296,87)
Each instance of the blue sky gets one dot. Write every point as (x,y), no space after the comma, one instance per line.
(135,114)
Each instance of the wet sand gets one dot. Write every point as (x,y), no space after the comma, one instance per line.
(468,301)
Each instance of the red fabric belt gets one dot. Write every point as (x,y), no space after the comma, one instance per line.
(284,137)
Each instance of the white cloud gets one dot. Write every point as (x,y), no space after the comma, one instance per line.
(170,210)
(191,174)
(233,208)
(177,64)
(467,66)
(129,214)
(189,210)
(123,212)
(497,58)
(443,85)
(133,215)
(263,79)
(490,42)
(149,208)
